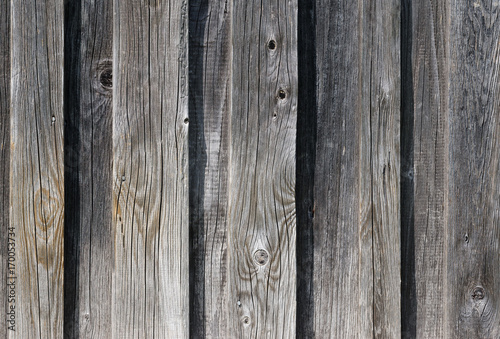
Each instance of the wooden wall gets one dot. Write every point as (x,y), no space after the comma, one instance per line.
(253,169)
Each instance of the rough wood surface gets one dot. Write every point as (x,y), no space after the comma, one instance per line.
(425,307)
(261,245)
(37,166)
(380,195)
(472,286)
(150,170)
(209,110)
(88,153)
(356,193)
(454,110)
(4,159)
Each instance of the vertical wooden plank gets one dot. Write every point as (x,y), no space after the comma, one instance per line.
(473,214)
(209,110)
(356,193)
(150,173)
(261,245)
(429,68)
(455,68)
(37,183)
(88,155)
(5,249)
(381,89)
(336,277)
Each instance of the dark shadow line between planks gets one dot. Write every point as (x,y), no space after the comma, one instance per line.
(408,282)
(72,76)
(306,159)
(198,19)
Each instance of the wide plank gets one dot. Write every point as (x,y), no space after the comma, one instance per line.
(424,162)
(88,155)
(150,170)
(261,245)
(472,288)
(452,237)
(355,212)
(209,111)
(37,166)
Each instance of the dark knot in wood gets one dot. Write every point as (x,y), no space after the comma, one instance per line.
(106,78)
(272,45)
(478,293)
(261,257)
(281,94)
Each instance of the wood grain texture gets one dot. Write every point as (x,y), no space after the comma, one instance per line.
(473,214)
(150,170)
(336,277)
(429,69)
(4,159)
(88,155)
(356,192)
(37,166)
(380,144)
(261,245)
(209,110)
(455,68)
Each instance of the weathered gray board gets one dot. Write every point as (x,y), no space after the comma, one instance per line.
(450,172)
(209,116)
(37,167)
(261,222)
(355,208)
(242,155)
(150,227)
(88,153)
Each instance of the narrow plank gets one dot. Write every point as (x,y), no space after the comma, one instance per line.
(455,89)
(261,245)
(381,90)
(473,214)
(336,277)
(5,299)
(356,274)
(88,155)
(430,67)
(209,110)
(150,170)
(37,166)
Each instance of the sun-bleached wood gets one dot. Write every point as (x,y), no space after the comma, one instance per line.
(37,166)
(261,230)
(150,170)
